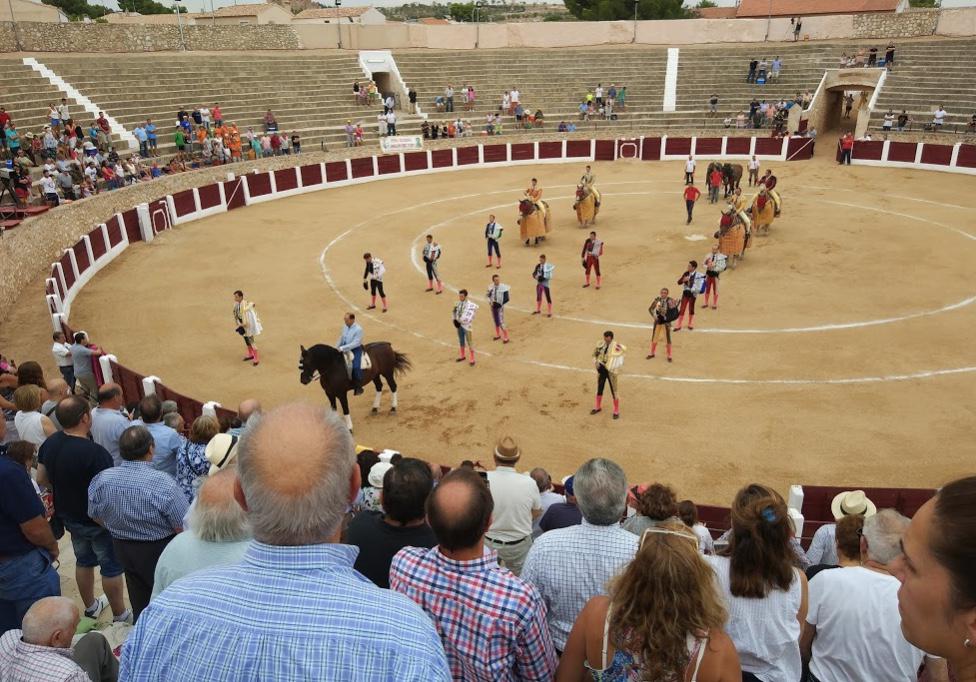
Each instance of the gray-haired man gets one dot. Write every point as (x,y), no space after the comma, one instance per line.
(571,565)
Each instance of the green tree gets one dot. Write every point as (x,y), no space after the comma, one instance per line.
(78,9)
(148,7)
(923,3)
(612,10)
(461,11)
(705,4)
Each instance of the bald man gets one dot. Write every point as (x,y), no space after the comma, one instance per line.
(245,411)
(108,420)
(42,649)
(57,390)
(296,589)
(461,587)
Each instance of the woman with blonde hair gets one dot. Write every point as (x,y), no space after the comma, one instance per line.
(31,425)
(662,621)
(765,592)
(191,459)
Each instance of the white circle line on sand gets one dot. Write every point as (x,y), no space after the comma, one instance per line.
(414,259)
(327,276)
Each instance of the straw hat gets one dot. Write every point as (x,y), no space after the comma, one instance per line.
(851,503)
(220,451)
(507,450)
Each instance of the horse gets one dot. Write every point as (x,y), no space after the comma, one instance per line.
(762,217)
(531,224)
(587,205)
(731,176)
(329,365)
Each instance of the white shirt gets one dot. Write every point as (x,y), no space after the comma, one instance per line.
(705,543)
(62,354)
(889,119)
(569,566)
(48,185)
(689,166)
(205,114)
(515,96)
(599,93)
(29,427)
(390,117)
(823,547)
(765,631)
(855,611)
(939,115)
(548,498)
(754,164)
(516,496)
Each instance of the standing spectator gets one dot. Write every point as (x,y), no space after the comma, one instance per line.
(572,565)
(218,534)
(491,623)
(848,104)
(67,463)
(179,139)
(889,121)
(391,120)
(846,148)
(691,195)
(688,513)
(82,357)
(751,77)
(849,503)
(31,425)
(412,98)
(108,420)
(379,535)
(141,507)
(853,628)
(937,598)
(777,65)
(690,170)
(27,546)
(143,137)
(449,97)
(191,460)
(714,184)
(43,649)
(753,171)
(762,70)
(63,113)
(167,442)
(713,104)
(218,117)
(49,188)
(904,120)
(295,590)
(657,504)
(765,592)
(797,27)
(938,117)
(890,56)
(514,97)
(562,514)
(516,504)
(547,497)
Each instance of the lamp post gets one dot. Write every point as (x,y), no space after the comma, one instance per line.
(179,22)
(213,14)
(769,19)
(13,23)
(634,38)
(477,22)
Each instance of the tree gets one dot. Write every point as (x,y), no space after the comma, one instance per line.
(705,4)
(923,3)
(612,10)
(78,9)
(461,11)
(148,7)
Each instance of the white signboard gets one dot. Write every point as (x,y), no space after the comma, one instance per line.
(395,144)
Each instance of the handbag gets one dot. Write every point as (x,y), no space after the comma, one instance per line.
(57,526)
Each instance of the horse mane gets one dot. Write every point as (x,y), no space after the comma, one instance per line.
(323,355)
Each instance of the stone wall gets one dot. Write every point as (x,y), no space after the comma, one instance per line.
(903,25)
(80,37)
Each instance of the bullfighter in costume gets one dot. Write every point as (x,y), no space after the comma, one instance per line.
(464,311)
(247,324)
(493,233)
(498,296)
(373,280)
(714,265)
(432,254)
(693,282)
(664,310)
(592,250)
(609,357)
(769,181)
(542,274)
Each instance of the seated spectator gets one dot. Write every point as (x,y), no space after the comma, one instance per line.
(655,505)
(766,594)
(562,514)
(372,493)
(574,564)
(538,119)
(688,513)
(379,535)
(42,650)
(937,598)
(218,534)
(295,592)
(31,425)
(67,463)
(141,507)
(167,442)
(191,459)
(853,628)
(547,497)
(562,127)
(492,624)
(904,120)
(848,503)
(663,619)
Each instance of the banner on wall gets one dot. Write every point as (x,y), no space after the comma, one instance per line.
(394,144)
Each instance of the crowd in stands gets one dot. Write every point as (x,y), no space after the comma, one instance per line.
(266,547)
(869,58)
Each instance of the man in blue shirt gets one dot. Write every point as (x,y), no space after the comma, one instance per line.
(166,441)
(140,134)
(82,356)
(351,341)
(294,608)
(143,510)
(27,547)
(150,129)
(108,422)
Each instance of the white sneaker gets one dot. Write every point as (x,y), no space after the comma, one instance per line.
(126,617)
(95,610)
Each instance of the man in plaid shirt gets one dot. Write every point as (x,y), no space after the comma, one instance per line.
(492,623)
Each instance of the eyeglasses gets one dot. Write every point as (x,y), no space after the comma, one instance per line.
(664,531)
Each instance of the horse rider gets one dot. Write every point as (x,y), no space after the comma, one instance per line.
(587,179)
(609,356)
(373,280)
(351,341)
(592,250)
(769,181)
(493,233)
(534,194)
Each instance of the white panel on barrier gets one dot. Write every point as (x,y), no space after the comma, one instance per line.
(795,499)
(149,384)
(210,408)
(797,521)
(56,320)
(918,152)
(74,264)
(145,223)
(105,362)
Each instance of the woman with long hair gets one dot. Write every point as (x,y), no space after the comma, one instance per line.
(655,505)
(937,598)
(662,620)
(765,592)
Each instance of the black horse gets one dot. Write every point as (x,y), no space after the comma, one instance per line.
(731,176)
(330,366)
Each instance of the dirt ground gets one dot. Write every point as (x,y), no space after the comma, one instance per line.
(841,352)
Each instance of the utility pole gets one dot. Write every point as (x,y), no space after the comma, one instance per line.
(13,22)
(179,22)
(634,39)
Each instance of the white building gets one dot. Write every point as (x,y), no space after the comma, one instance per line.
(345,15)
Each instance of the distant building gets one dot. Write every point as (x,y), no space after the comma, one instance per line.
(29,10)
(268,13)
(345,15)
(758,9)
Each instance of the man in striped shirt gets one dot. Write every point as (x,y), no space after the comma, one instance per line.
(492,623)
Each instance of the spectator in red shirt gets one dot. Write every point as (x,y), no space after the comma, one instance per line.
(846,147)
(714,182)
(691,196)
(275,144)
(218,116)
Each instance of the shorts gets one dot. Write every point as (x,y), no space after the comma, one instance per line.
(93,547)
(55,122)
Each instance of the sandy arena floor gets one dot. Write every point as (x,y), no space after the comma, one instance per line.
(841,352)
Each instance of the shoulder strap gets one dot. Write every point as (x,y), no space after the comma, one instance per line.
(606,637)
(702,644)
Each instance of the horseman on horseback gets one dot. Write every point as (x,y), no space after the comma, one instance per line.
(588,199)
(533,214)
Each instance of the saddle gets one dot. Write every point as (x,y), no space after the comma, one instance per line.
(365,362)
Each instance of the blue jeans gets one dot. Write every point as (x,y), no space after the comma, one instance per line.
(68,372)
(92,545)
(357,364)
(25,579)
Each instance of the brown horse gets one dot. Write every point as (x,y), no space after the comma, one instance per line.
(329,365)
(587,205)
(731,176)
(533,223)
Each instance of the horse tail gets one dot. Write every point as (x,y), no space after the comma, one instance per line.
(401,363)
